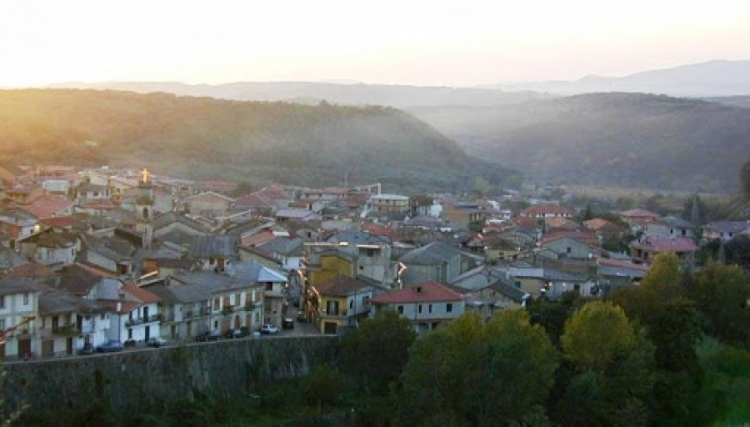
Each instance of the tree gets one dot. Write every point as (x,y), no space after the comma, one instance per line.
(494,373)
(376,353)
(324,386)
(721,293)
(242,189)
(596,335)
(745,178)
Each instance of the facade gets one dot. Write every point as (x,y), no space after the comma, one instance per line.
(19,314)
(389,203)
(725,230)
(433,262)
(339,302)
(69,322)
(426,305)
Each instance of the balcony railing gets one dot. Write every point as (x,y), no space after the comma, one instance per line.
(142,320)
(66,331)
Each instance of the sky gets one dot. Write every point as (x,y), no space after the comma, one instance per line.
(456,43)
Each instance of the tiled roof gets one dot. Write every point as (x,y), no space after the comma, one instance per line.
(671,221)
(9,259)
(216,282)
(210,195)
(358,238)
(431,254)
(214,247)
(60,221)
(597,224)
(639,213)
(728,226)
(54,302)
(585,237)
(47,206)
(18,285)
(31,270)
(255,272)
(678,244)
(341,286)
(79,278)
(420,293)
(142,294)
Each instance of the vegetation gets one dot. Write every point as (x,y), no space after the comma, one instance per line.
(611,139)
(256,142)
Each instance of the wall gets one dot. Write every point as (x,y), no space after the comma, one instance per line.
(139,379)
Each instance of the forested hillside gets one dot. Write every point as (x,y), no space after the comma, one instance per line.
(205,138)
(608,139)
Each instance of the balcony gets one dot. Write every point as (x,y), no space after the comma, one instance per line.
(142,320)
(66,331)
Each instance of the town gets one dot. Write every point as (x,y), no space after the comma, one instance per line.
(109,259)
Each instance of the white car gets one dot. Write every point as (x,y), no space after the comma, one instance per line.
(269,329)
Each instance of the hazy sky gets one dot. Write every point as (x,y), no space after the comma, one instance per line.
(462,42)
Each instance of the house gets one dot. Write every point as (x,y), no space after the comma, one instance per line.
(388,203)
(287,251)
(209,204)
(669,227)
(80,279)
(616,273)
(548,211)
(68,322)
(274,285)
(425,305)
(725,230)
(487,291)
(214,252)
(12,175)
(209,301)
(437,261)
(88,192)
(19,314)
(338,302)
(638,218)
(23,194)
(548,282)
(648,247)
(372,253)
(115,254)
(48,206)
(134,311)
(54,249)
(18,225)
(571,245)
(177,228)
(10,259)
(283,215)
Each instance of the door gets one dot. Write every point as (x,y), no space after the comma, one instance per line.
(24,348)
(329,328)
(148,333)
(48,348)
(69,345)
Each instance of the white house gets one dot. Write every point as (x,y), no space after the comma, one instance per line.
(19,311)
(68,322)
(425,305)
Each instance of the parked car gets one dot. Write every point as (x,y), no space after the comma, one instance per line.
(234,333)
(129,343)
(269,329)
(207,336)
(156,342)
(288,323)
(110,347)
(87,348)
(301,317)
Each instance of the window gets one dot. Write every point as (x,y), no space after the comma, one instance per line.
(2,301)
(351,304)
(419,308)
(365,301)
(568,250)
(2,324)
(400,309)
(269,286)
(449,307)
(429,308)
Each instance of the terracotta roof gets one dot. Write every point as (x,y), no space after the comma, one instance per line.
(679,244)
(597,224)
(142,294)
(59,222)
(639,213)
(585,237)
(380,230)
(424,292)
(258,238)
(32,270)
(561,223)
(47,206)
(622,264)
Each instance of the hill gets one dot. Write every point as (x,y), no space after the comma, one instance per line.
(713,78)
(397,96)
(204,138)
(610,139)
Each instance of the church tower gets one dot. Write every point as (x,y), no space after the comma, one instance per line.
(144,209)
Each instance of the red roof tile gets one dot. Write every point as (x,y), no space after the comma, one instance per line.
(639,213)
(59,222)
(679,244)
(47,206)
(140,293)
(424,292)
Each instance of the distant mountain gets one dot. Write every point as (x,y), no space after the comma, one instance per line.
(714,78)
(397,96)
(735,101)
(611,139)
(260,142)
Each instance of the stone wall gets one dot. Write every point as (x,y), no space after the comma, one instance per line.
(138,379)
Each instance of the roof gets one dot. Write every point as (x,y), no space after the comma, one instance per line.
(380,230)
(509,291)
(255,272)
(47,206)
(296,213)
(50,239)
(341,286)
(639,213)
(60,221)
(209,195)
(18,285)
(728,226)
(431,254)
(31,270)
(9,259)
(537,210)
(53,302)
(169,218)
(597,224)
(142,294)
(652,244)
(212,282)
(674,222)
(284,246)
(358,238)
(420,293)
(214,246)
(80,278)
(585,237)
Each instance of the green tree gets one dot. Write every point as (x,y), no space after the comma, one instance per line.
(479,373)
(324,386)
(376,353)
(596,335)
(721,294)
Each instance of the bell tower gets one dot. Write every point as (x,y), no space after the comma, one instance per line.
(144,209)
